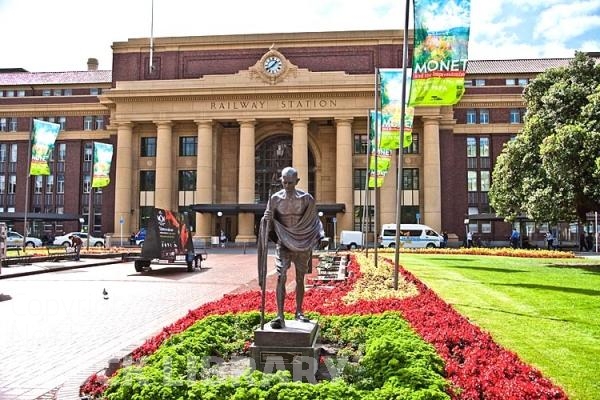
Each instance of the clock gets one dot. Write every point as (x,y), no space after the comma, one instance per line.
(273,65)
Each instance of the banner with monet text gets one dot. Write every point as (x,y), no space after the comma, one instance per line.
(43,136)
(102,159)
(440,51)
(380,159)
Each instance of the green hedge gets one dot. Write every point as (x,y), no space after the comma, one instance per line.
(380,358)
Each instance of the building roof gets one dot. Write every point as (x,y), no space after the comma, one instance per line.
(519,66)
(55,78)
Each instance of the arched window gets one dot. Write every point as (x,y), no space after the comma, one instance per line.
(272,155)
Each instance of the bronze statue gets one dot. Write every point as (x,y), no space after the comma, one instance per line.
(292,222)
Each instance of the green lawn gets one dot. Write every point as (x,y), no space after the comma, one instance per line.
(545,310)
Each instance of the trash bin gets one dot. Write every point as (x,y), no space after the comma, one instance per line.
(107,240)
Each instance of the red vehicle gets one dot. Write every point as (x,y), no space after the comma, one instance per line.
(168,238)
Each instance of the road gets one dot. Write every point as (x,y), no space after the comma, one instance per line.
(57,328)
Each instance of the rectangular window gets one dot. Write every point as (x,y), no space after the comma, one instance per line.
(49,183)
(485,180)
(187,181)
(479,82)
(414,146)
(99,123)
(359,178)
(484,147)
(148,147)
(361,142)
(523,81)
(67,92)
(46,92)
(515,116)
(94,91)
(471,147)
(13,153)
(2,184)
(57,92)
(88,122)
(63,122)
(147,181)
(60,184)
(87,183)
(37,184)
(471,117)
(87,152)
(472,181)
(3,150)
(20,93)
(10,93)
(484,116)
(468,82)
(12,184)
(3,125)
(511,82)
(410,179)
(62,151)
(13,125)
(188,145)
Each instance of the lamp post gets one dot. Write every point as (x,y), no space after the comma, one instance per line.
(466,222)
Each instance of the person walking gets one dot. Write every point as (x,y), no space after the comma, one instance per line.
(515,238)
(550,240)
(582,242)
(469,240)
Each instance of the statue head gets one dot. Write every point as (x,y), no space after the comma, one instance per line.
(289,178)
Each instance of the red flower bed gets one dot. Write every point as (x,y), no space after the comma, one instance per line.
(475,364)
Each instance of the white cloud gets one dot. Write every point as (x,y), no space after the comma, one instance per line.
(562,22)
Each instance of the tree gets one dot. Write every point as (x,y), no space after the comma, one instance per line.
(551,170)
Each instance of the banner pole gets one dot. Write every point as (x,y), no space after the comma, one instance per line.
(91,202)
(376,151)
(28,182)
(399,154)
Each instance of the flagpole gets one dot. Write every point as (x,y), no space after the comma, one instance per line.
(399,154)
(28,180)
(150,66)
(365,213)
(376,188)
(91,202)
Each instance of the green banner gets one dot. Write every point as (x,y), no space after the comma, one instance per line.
(102,158)
(440,51)
(391,109)
(377,169)
(43,136)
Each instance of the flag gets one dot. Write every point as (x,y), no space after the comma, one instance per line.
(377,170)
(43,136)
(391,109)
(440,51)
(102,158)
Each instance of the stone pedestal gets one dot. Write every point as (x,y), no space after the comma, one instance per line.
(292,348)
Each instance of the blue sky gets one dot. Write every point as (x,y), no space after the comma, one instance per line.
(60,35)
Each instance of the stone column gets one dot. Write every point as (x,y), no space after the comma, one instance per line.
(343,172)
(164,165)
(432,192)
(123,178)
(246,180)
(204,174)
(300,151)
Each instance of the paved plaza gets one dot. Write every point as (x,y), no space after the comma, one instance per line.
(57,328)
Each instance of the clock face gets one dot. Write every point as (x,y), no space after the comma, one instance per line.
(273,65)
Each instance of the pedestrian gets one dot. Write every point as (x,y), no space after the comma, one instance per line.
(515,238)
(222,238)
(291,219)
(444,239)
(76,244)
(589,241)
(469,239)
(550,240)
(132,238)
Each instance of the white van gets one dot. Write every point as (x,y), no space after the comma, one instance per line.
(415,236)
(351,239)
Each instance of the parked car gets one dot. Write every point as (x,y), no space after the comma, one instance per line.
(65,241)
(140,236)
(15,239)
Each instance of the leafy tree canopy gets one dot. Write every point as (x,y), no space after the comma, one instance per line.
(551,170)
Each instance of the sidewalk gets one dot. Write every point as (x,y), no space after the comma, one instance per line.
(50,266)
